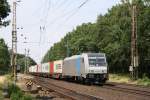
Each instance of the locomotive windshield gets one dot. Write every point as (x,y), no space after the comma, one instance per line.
(97,62)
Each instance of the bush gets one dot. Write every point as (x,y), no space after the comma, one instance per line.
(15,93)
(15,96)
(144,81)
(13,89)
(26,97)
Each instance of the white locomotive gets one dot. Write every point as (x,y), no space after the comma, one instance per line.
(88,67)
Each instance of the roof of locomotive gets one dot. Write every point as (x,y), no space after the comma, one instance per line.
(88,54)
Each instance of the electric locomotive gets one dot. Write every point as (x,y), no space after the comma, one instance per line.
(87,67)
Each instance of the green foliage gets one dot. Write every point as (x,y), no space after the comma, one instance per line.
(125,78)
(16,93)
(4,12)
(13,89)
(27,97)
(16,96)
(1,95)
(4,57)
(21,61)
(144,81)
(110,34)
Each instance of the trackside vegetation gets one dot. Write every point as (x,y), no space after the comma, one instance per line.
(5,56)
(13,91)
(124,78)
(21,61)
(111,34)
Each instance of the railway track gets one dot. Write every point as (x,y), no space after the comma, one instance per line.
(143,91)
(64,92)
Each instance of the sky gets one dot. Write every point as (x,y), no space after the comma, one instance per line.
(45,22)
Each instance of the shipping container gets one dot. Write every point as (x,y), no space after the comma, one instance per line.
(58,66)
(45,68)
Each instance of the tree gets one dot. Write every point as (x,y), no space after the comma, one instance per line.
(4,57)
(4,12)
(21,61)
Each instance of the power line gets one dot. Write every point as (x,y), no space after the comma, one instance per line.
(66,16)
(83,4)
(60,16)
(73,13)
(79,7)
(60,5)
(38,10)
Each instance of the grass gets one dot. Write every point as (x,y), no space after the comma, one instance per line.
(14,91)
(124,78)
(121,78)
(1,96)
(144,81)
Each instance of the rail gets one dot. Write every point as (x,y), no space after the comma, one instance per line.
(128,88)
(43,82)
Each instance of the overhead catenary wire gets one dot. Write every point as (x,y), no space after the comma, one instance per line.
(79,7)
(66,16)
(63,14)
(60,5)
(83,4)
(39,9)
(43,27)
(73,13)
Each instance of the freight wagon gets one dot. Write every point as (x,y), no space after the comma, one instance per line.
(33,69)
(44,69)
(57,70)
(50,69)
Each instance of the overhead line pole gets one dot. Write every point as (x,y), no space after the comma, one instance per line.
(14,43)
(134,47)
(25,62)
(28,61)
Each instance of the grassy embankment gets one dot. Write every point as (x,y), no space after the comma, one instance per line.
(14,91)
(121,78)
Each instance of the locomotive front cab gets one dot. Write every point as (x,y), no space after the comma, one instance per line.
(97,67)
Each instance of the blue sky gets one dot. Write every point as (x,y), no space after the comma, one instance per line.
(57,17)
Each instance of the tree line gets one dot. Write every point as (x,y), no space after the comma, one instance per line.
(5,59)
(111,34)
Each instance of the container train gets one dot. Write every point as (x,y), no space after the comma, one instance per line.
(87,67)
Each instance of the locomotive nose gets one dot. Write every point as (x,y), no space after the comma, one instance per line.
(98,70)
